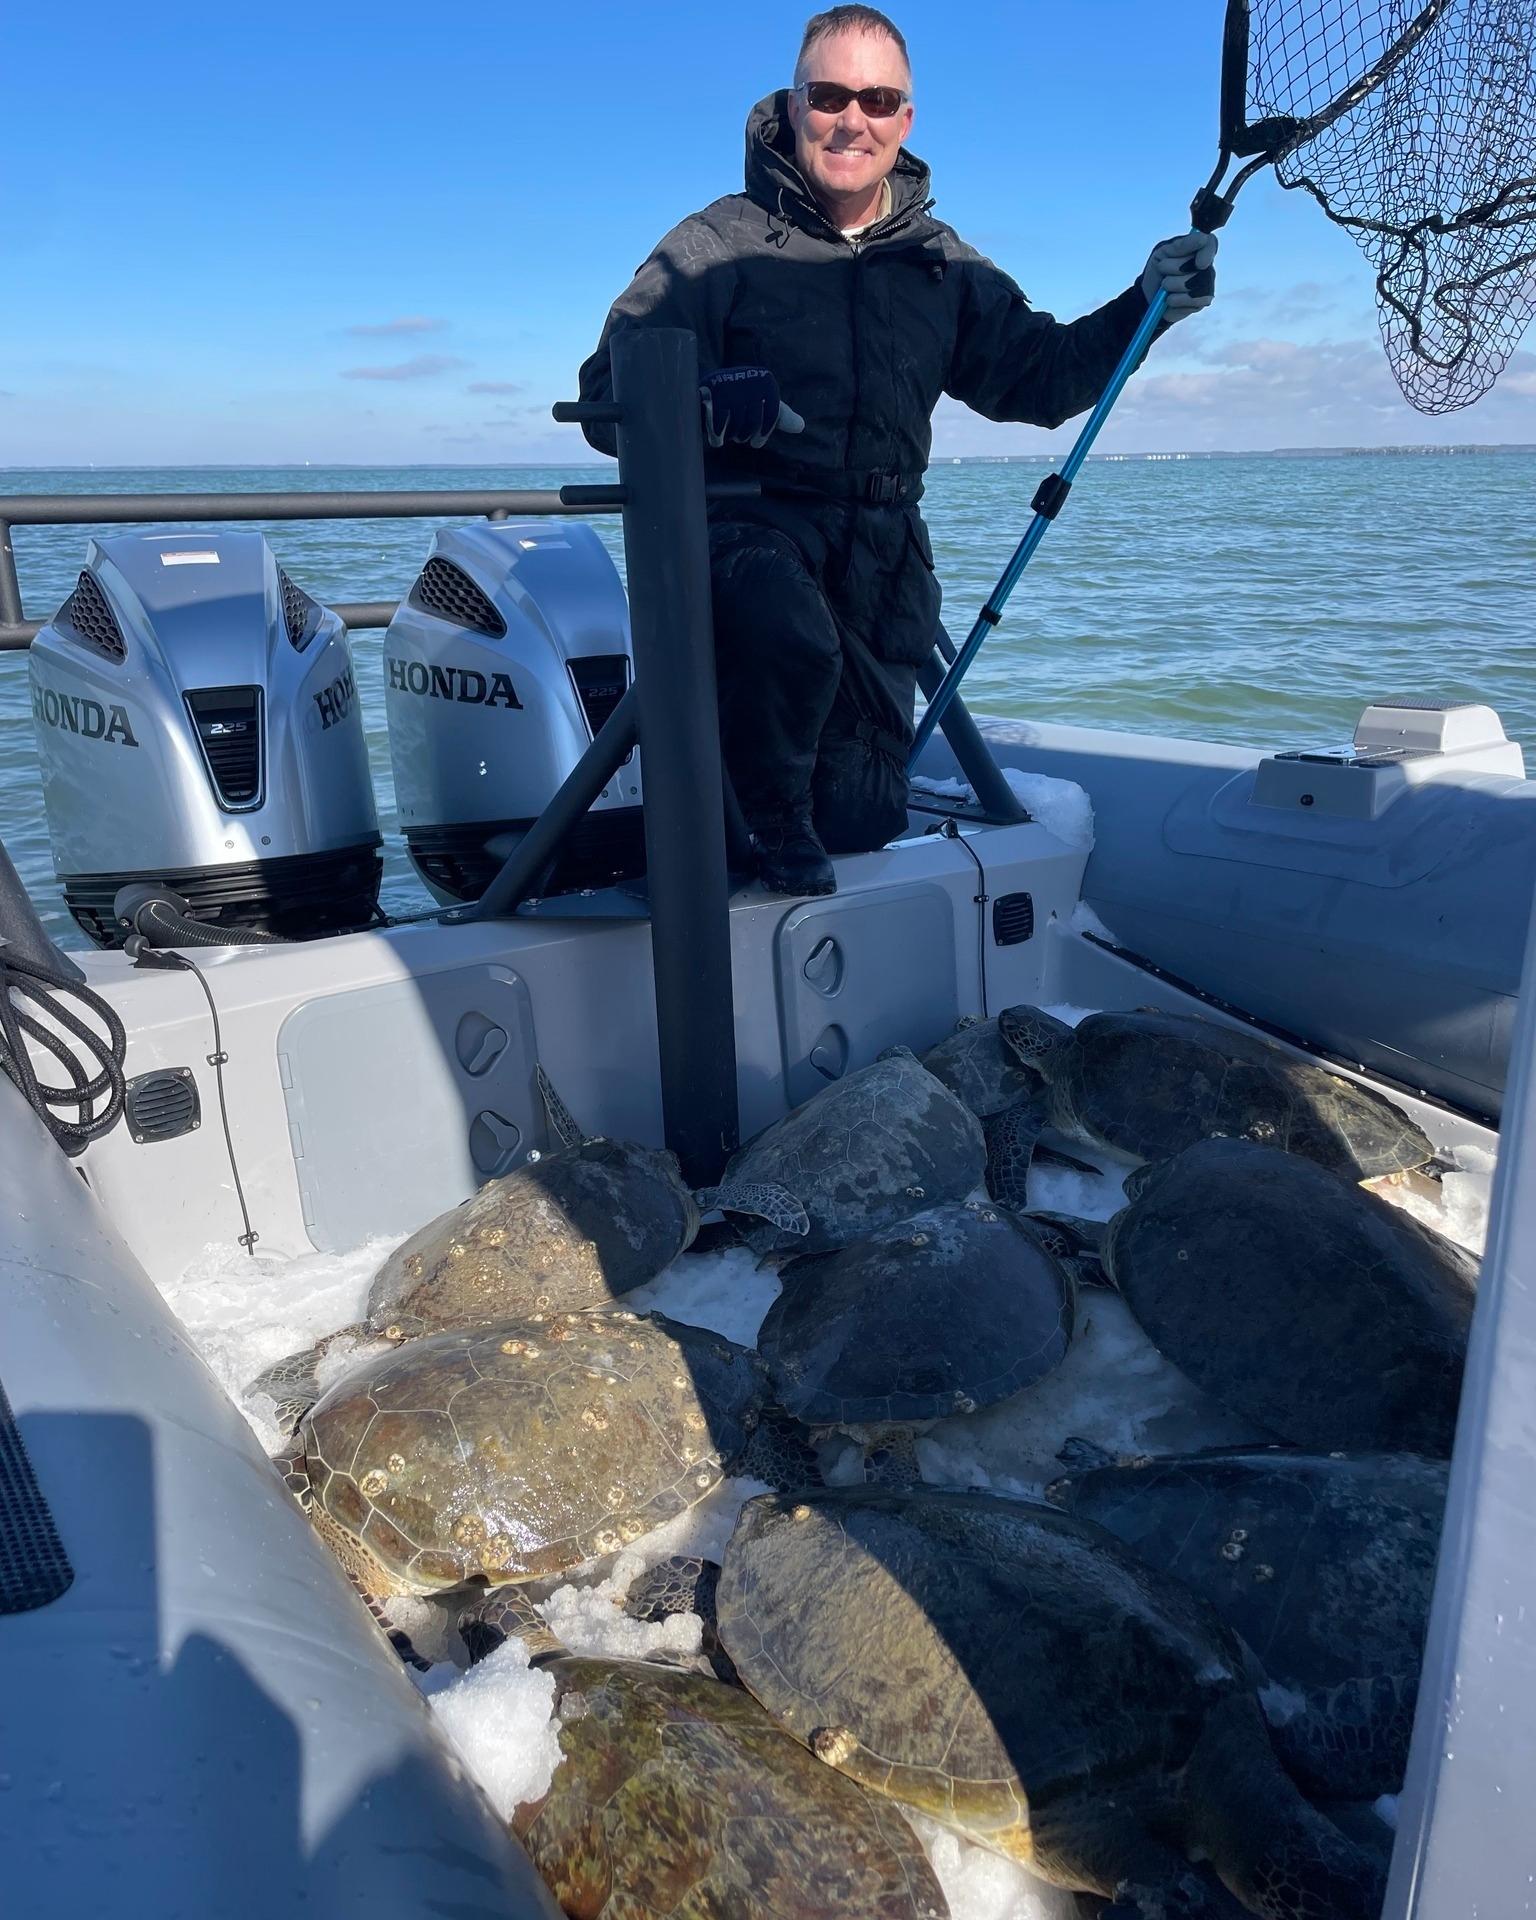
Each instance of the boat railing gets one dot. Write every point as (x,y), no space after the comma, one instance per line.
(124,509)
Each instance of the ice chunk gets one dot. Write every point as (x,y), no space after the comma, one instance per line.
(1060,806)
(722,1290)
(1085,920)
(984,1886)
(1113,1389)
(1456,1206)
(499,1717)
(244,1311)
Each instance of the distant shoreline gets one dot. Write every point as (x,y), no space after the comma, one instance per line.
(939,460)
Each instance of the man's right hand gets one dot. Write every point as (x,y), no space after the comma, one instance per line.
(741,404)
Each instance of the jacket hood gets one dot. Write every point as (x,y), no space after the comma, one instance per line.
(775,182)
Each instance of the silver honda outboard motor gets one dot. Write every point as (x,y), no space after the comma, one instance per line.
(507,656)
(198,727)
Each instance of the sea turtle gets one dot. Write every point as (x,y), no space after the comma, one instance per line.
(678,1795)
(1299,1301)
(978,1065)
(1022,1677)
(573,1229)
(949,1310)
(1148,1084)
(868,1150)
(512,1452)
(1324,1565)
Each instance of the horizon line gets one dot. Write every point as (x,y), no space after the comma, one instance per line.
(1416,448)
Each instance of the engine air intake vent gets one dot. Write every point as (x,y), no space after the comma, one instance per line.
(1013,919)
(301,614)
(87,617)
(162,1105)
(448,591)
(228,722)
(601,681)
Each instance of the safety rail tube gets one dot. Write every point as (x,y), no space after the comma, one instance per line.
(130,509)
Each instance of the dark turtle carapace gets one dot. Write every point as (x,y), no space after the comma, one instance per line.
(1297,1300)
(865,1152)
(1149,1084)
(1024,1678)
(1323,1563)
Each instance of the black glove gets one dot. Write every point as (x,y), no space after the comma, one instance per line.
(741,404)
(1185,268)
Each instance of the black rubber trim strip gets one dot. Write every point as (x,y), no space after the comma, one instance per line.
(34,1568)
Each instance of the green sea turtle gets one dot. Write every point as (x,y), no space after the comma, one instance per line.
(513,1452)
(572,1229)
(1148,1084)
(863,1153)
(1323,1564)
(952,1309)
(677,1795)
(979,1066)
(1297,1300)
(1028,1681)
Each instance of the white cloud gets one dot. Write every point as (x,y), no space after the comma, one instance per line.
(421,368)
(390,329)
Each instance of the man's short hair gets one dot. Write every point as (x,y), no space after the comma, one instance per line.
(848,20)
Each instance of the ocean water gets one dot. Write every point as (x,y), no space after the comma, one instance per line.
(1260,600)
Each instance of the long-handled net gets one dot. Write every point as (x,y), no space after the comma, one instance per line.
(1412,123)
(1413,126)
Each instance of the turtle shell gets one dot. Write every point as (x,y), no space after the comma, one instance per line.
(1324,1565)
(953,1309)
(1151,1084)
(574,1229)
(989,1663)
(976,1063)
(871,1149)
(678,1795)
(516,1451)
(1303,1303)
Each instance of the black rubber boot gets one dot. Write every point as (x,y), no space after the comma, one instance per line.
(790,858)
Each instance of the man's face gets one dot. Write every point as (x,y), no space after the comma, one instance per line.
(844,156)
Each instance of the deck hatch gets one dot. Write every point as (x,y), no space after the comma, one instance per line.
(87,616)
(162,1105)
(228,722)
(34,1568)
(449,592)
(1013,919)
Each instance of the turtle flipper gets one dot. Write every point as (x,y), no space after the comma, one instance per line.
(1051,1151)
(293,1384)
(764,1199)
(562,1123)
(779,1453)
(507,1613)
(1012,1137)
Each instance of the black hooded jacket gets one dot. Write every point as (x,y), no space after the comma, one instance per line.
(863,338)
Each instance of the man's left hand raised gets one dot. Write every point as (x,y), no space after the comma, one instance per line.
(742,404)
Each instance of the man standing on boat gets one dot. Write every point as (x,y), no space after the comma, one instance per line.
(828,283)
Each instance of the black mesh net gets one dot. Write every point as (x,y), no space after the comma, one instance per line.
(1414,126)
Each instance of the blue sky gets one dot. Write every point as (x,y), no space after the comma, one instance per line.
(389,233)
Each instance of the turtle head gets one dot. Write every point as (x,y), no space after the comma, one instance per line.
(1031,1035)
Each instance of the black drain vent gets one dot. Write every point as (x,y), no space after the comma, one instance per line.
(1013,919)
(301,615)
(228,722)
(448,591)
(34,1568)
(601,681)
(163,1105)
(85,616)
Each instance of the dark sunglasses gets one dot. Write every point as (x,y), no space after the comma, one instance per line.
(876,103)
